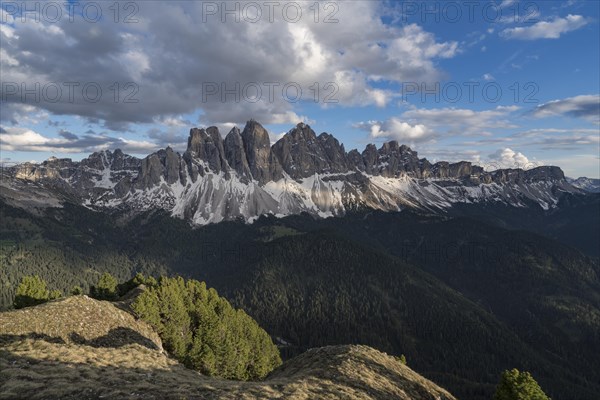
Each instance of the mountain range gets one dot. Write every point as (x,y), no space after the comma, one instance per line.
(243,176)
(587,184)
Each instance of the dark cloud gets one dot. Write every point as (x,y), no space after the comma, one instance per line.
(56,124)
(143,74)
(16,114)
(173,138)
(585,106)
(67,135)
(21,139)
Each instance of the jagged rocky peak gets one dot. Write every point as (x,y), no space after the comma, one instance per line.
(338,158)
(152,170)
(206,146)
(355,160)
(302,155)
(255,136)
(235,131)
(164,165)
(370,159)
(396,160)
(248,153)
(100,171)
(263,164)
(236,155)
(98,160)
(173,166)
(115,160)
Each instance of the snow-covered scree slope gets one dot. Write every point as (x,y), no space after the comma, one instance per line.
(242,176)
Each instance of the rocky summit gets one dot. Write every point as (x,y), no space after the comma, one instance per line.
(243,176)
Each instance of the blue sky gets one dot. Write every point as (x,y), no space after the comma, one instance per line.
(527,71)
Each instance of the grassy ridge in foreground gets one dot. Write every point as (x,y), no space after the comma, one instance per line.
(119,357)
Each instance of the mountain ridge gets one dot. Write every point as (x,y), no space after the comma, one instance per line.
(244,176)
(588,184)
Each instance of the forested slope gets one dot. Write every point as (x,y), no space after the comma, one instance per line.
(461,299)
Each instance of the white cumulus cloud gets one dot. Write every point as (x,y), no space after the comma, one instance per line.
(396,129)
(546,29)
(509,158)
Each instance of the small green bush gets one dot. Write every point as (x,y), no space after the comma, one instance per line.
(31,291)
(106,289)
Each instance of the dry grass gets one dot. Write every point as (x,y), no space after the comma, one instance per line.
(78,319)
(54,366)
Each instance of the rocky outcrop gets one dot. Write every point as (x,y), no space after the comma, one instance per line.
(545,173)
(263,165)
(355,161)
(235,154)
(206,146)
(370,159)
(299,153)
(53,168)
(335,152)
(163,166)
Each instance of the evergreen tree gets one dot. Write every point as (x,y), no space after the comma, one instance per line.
(516,385)
(31,291)
(106,289)
(175,326)
(151,281)
(202,330)
(138,279)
